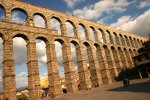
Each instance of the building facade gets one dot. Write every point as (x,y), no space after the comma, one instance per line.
(106,55)
(142,60)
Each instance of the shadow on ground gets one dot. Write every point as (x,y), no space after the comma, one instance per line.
(137,87)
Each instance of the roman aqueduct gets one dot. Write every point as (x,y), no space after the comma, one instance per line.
(113,54)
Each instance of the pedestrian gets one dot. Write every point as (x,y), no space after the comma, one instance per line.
(89,87)
(125,82)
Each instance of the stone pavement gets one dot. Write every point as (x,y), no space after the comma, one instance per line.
(138,90)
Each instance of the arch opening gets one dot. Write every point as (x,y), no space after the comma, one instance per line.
(60,61)
(2,13)
(39,20)
(110,63)
(21,69)
(100,36)
(55,24)
(82,32)
(19,16)
(91,34)
(70,29)
(42,64)
(107,35)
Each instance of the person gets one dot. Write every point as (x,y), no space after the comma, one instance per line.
(125,82)
(89,87)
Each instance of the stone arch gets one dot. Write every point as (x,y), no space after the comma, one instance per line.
(127,40)
(92,64)
(131,41)
(103,35)
(108,36)
(70,28)
(128,58)
(62,42)
(135,52)
(43,38)
(135,42)
(20,34)
(116,58)
(21,9)
(83,34)
(56,23)
(116,38)
(103,69)
(122,39)
(92,33)
(19,12)
(39,17)
(109,62)
(131,53)
(122,57)
(2,36)
(57,18)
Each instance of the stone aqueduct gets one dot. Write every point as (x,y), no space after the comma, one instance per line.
(104,64)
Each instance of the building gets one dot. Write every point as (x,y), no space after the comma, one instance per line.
(142,60)
(106,55)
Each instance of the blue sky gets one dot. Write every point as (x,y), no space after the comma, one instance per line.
(128,15)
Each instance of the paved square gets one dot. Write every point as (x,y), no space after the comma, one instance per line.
(138,90)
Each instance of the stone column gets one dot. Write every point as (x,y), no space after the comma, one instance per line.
(9,84)
(117,40)
(33,72)
(8,16)
(111,64)
(131,42)
(127,41)
(104,36)
(47,23)
(87,34)
(53,74)
(96,36)
(76,32)
(115,63)
(125,59)
(111,38)
(69,68)
(118,60)
(106,78)
(94,67)
(82,68)
(63,29)
(135,42)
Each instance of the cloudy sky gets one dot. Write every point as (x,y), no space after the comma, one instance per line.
(129,15)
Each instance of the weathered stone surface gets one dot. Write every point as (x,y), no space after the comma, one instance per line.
(104,63)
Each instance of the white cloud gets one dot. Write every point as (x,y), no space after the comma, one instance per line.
(55,25)
(16,17)
(104,6)
(72,3)
(122,20)
(69,29)
(144,4)
(139,25)
(21,80)
(39,21)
